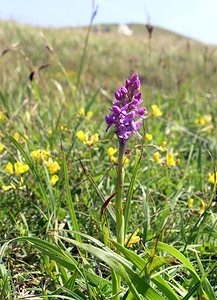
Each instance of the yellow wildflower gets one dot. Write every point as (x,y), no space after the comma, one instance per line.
(132,238)
(202,206)
(170,161)
(6,187)
(113,159)
(64,128)
(190,203)
(111,151)
(126,161)
(54,179)
(13,186)
(212,178)
(81,135)
(52,166)
(81,112)
(20,168)
(49,131)
(89,115)
(148,137)
(9,168)
(203,120)
(16,136)
(156,111)
(156,157)
(86,138)
(39,154)
(93,139)
(2,147)
(163,146)
(2,116)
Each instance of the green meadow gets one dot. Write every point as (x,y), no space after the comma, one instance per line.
(59,166)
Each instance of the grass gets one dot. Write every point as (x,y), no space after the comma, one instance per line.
(51,236)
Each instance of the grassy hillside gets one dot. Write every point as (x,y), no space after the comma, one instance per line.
(58,171)
(111,54)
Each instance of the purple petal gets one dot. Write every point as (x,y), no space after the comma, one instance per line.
(116,109)
(138,95)
(118,95)
(141,111)
(136,84)
(135,103)
(134,77)
(123,90)
(127,83)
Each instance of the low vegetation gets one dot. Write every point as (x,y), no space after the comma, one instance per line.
(59,166)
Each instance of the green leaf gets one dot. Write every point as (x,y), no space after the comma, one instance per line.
(123,267)
(178,255)
(192,291)
(99,193)
(165,288)
(141,264)
(29,161)
(69,200)
(130,193)
(207,286)
(54,252)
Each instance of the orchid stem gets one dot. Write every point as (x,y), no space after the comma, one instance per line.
(119,193)
(119,214)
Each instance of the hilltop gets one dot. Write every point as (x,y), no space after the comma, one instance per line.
(109,55)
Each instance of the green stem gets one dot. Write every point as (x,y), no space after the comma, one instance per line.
(119,192)
(115,285)
(116,278)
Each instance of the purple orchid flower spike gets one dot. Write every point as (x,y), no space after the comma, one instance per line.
(125,110)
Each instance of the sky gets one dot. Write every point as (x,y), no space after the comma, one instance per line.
(193,18)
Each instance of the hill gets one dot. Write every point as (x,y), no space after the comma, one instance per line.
(109,55)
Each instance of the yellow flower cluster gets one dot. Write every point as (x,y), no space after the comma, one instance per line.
(156,112)
(132,239)
(52,166)
(111,151)
(64,128)
(19,185)
(43,156)
(212,178)
(88,116)
(16,136)
(2,117)
(198,207)
(40,155)
(148,137)
(2,147)
(54,179)
(87,139)
(18,168)
(203,120)
(190,203)
(169,161)
(163,146)
(156,157)
(49,131)
(19,139)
